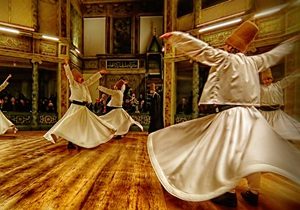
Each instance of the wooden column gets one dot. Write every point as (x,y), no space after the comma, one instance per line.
(196,78)
(169,66)
(35,93)
(169,93)
(62,91)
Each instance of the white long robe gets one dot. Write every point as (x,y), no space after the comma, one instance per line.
(5,124)
(79,125)
(283,124)
(118,117)
(203,158)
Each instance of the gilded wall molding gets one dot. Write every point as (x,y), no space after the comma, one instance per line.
(48,49)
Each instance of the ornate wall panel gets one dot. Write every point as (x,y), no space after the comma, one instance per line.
(16,43)
(216,38)
(271,26)
(48,48)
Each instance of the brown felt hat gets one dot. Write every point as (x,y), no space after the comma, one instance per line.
(119,84)
(242,36)
(76,74)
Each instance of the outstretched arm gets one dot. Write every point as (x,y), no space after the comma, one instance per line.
(274,56)
(68,72)
(106,90)
(194,48)
(5,83)
(94,78)
(7,78)
(286,81)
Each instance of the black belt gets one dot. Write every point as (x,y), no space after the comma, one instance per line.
(220,108)
(81,103)
(270,108)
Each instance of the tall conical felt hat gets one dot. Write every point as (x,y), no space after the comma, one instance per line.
(242,36)
(266,74)
(76,74)
(119,84)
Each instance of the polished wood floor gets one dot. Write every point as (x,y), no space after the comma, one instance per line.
(36,174)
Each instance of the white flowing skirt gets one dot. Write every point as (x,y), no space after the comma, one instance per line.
(5,124)
(121,120)
(283,124)
(82,127)
(203,158)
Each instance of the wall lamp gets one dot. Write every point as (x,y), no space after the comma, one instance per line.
(270,11)
(50,38)
(10,30)
(220,25)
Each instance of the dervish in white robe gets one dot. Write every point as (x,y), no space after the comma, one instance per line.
(79,125)
(203,158)
(271,102)
(118,117)
(5,124)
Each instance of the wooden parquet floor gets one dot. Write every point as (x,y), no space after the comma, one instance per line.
(36,174)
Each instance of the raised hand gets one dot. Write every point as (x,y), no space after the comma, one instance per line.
(166,35)
(8,77)
(103,71)
(66,61)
